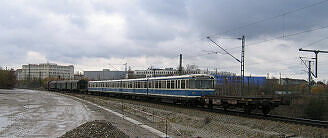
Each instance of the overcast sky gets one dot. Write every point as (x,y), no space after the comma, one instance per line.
(97,34)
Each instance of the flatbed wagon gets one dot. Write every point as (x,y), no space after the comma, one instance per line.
(264,103)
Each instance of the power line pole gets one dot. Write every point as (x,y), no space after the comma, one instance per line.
(242,64)
(241,61)
(310,84)
(309,73)
(316,52)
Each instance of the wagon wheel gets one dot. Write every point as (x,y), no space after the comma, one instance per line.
(247,109)
(266,109)
(225,107)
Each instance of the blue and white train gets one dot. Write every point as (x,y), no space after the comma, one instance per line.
(194,90)
(185,86)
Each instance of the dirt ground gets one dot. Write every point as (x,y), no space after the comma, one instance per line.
(31,113)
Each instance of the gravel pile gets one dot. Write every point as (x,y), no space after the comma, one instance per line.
(97,128)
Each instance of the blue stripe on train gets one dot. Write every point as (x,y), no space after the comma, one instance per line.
(158,91)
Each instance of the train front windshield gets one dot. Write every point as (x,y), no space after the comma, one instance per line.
(201,84)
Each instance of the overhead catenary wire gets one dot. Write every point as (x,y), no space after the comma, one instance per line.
(287,35)
(315,42)
(223,49)
(272,17)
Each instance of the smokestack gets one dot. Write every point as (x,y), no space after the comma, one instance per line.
(180,65)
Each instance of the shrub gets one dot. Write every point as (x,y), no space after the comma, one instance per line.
(315,108)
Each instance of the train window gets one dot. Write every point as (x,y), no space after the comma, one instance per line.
(198,84)
(178,84)
(206,84)
(145,84)
(159,84)
(183,84)
(152,84)
(156,84)
(187,84)
(138,85)
(172,84)
(163,84)
(168,84)
(192,84)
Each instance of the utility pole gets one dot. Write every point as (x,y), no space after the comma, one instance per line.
(310,73)
(310,84)
(180,65)
(316,52)
(242,64)
(241,61)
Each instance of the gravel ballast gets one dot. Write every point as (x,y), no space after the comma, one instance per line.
(97,128)
(185,122)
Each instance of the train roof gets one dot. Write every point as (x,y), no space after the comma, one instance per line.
(162,78)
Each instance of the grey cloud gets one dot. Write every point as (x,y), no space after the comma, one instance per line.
(219,16)
(61,31)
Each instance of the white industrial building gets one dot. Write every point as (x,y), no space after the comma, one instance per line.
(46,70)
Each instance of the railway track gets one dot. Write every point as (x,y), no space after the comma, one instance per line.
(300,121)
